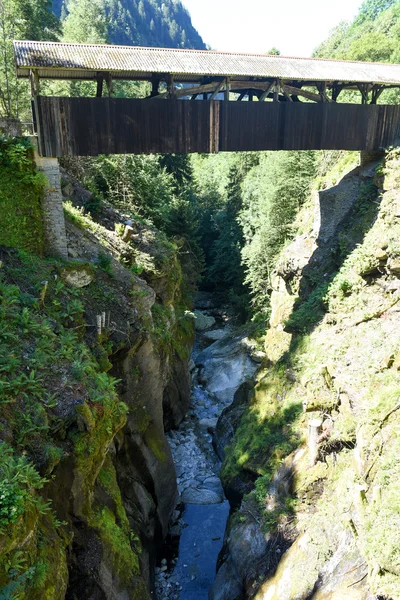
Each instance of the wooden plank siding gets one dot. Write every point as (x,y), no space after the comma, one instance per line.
(92,126)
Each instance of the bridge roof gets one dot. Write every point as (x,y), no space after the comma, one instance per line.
(53,60)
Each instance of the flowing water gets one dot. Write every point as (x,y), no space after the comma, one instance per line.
(187,566)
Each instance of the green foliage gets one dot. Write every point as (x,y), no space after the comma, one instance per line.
(370,9)
(310,311)
(143,23)
(86,22)
(21,191)
(18,482)
(268,429)
(225,273)
(104,261)
(21,20)
(133,183)
(123,559)
(274,51)
(273,192)
(373,36)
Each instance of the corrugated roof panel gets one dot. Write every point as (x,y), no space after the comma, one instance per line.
(134,59)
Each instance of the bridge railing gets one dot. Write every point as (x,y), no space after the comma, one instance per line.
(92,126)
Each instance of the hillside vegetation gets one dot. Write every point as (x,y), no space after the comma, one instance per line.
(330,510)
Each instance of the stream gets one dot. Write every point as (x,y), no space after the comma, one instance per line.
(186,567)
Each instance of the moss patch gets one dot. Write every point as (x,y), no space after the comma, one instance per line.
(21,192)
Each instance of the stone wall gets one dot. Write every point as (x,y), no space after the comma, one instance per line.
(9,126)
(53,214)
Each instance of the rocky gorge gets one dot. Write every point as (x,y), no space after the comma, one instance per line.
(222,361)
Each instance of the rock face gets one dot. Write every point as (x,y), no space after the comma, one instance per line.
(156,388)
(176,395)
(296,577)
(229,420)
(109,471)
(244,547)
(320,349)
(224,366)
(146,472)
(334,204)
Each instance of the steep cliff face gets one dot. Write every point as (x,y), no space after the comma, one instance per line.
(320,433)
(91,354)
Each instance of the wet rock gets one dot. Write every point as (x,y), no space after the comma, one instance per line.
(176,395)
(227,584)
(208,424)
(225,366)
(217,334)
(203,321)
(202,496)
(212,482)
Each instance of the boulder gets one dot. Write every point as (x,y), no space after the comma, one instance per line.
(208,424)
(202,496)
(216,334)
(203,321)
(78,276)
(394,267)
(225,366)
(227,584)
(245,547)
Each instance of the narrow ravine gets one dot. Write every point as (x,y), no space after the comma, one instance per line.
(220,363)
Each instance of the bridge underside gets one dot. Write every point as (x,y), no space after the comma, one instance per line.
(92,126)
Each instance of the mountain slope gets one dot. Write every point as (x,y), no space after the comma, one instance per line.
(164,23)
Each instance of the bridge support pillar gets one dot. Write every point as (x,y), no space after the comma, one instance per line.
(371,156)
(52,208)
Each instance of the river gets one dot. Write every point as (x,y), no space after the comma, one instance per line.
(187,565)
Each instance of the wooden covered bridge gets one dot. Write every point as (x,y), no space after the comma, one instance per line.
(196,101)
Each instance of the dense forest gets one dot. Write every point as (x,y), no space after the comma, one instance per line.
(164,23)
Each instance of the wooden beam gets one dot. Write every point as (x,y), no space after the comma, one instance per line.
(194,96)
(336,89)
(321,87)
(198,89)
(286,94)
(376,92)
(300,92)
(109,82)
(171,92)
(35,83)
(242,95)
(364,92)
(264,95)
(277,89)
(227,88)
(217,89)
(155,84)
(99,90)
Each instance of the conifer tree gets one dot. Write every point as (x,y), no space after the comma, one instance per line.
(21,19)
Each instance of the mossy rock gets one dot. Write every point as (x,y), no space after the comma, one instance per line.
(78,275)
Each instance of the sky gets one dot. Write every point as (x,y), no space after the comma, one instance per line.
(295,27)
